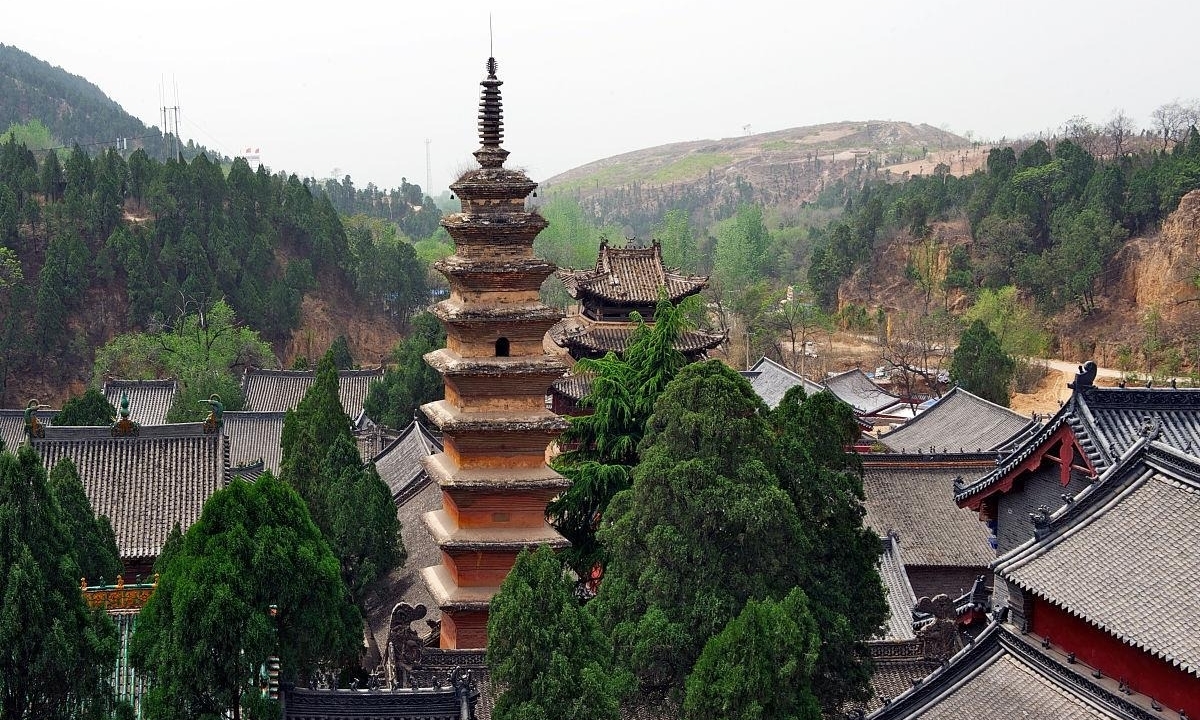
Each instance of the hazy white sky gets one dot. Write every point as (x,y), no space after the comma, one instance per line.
(357,87)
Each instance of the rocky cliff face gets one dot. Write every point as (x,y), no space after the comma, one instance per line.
(1161,270)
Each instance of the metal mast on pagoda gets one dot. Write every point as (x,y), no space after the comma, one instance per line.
(496,429)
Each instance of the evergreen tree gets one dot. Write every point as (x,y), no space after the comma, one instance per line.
(545,651)
(704,528)
(605,443)
(839,557)
(761,665)
(349,502)
(981,366)
(95,545)
(90,408)
(340,352)
(57,653)
(411,382)
(207,630)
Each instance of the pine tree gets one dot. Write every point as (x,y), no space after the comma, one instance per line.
(94,544)
(348,501)
(254,547)
(90,408)
(839,556)
(605,443)
(704,528)
(57,653)
(981,366)
(546,651)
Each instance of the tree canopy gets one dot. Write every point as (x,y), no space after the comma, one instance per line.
(980,364)
(254,548)
(58,654)
(704,528)
(546,651)
(348,501)
(604,444)
(90,408)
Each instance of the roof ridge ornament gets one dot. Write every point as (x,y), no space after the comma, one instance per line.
(1086,377)
(491,120)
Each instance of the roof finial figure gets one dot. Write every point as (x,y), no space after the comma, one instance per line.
(491,121)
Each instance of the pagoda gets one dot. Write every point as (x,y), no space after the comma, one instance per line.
(625,280)
(495,427)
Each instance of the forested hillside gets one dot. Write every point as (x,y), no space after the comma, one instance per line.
(94,246)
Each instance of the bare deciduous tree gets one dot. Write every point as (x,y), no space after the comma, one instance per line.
(919,348)
(1118,129)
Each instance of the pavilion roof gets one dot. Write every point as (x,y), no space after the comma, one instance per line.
(1002,675)
(1106,422)
(630,275)
(913,497)
(143,484)
(860,392)
(280,390)
(960,421)
(771,381)
(582,338)
(1122,555)
(400,464)
(149,400)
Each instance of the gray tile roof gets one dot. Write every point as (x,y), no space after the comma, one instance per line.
(280,390)
(860,392)
(771,381)
(584,338)
(632,275)
(254,436)
(1124,557)
(404,584)
(1003,676)
(899,592)
(144,484)
(149,400)
(959,422)
(400,463)
(12,425)
(1108,421)
(913,495)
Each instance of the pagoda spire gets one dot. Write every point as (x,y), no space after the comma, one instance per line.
(491,121)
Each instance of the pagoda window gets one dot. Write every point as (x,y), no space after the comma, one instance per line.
(502,347)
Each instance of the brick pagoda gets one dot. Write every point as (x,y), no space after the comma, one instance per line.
(496,429)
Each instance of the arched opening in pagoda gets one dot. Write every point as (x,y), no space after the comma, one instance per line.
(502,347)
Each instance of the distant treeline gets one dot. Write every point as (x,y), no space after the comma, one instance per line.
(138,243)
(1047,220)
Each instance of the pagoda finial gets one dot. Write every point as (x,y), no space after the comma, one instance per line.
(491,121)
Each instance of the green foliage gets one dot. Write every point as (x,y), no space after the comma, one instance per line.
(58,654)
(838,556)
(679,248)
(546,651)
(1015,324)
(349,502)
(741,252)
(95,545)
(90,408)
(339,352)
(570,240)
(395,399)
(254,546)
(384,267)
(203,349)
(605,443)
(759,666)
(704,528)
(980,364)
